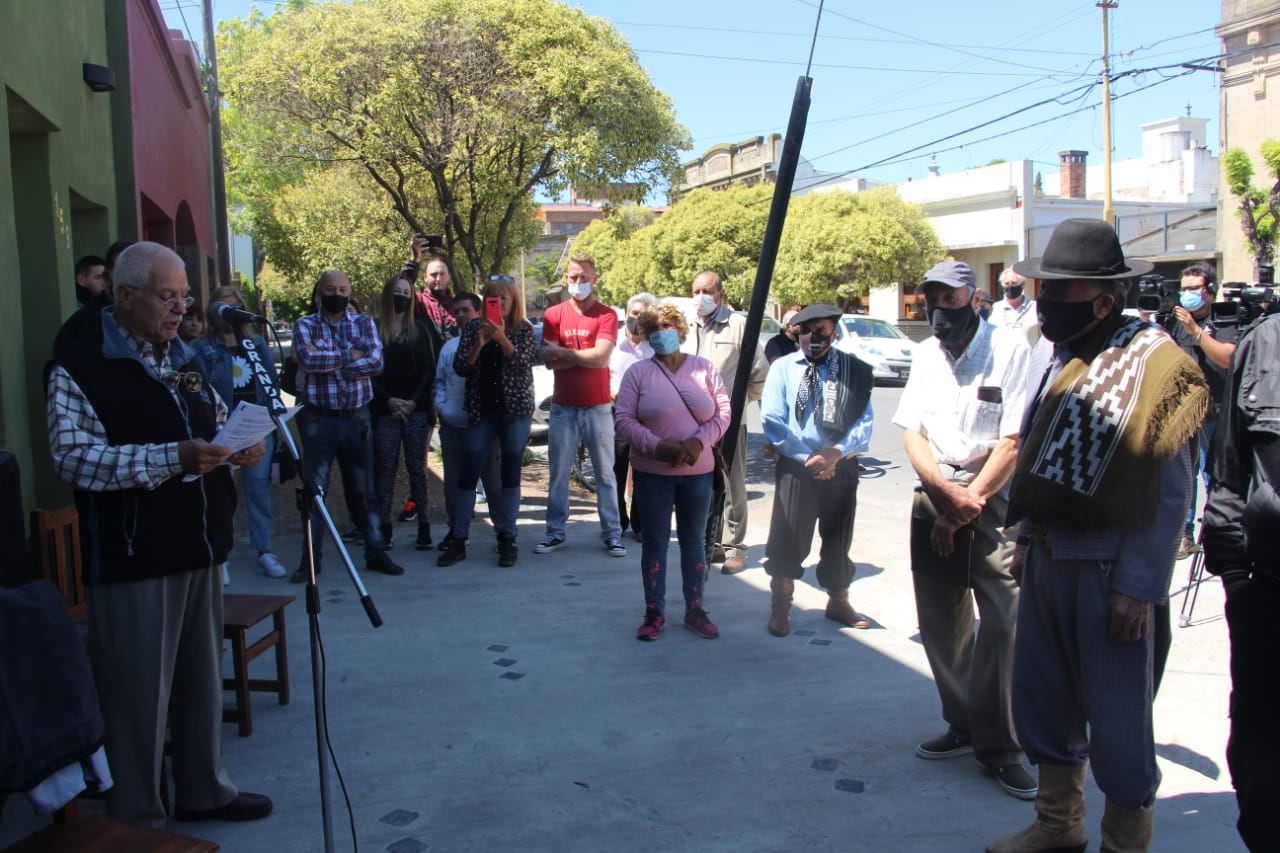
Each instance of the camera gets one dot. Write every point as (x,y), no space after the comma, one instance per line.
(1158,295)
(1242,302)
(434,241)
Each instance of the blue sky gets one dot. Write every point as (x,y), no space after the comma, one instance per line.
(893,77)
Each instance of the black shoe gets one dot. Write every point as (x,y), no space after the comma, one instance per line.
(507,551)
(245,806)
(949,745)
(446,541)
(300,576)
(382,562)
(456,551)
(424,538)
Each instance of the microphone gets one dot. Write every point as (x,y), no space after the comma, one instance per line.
(231,314)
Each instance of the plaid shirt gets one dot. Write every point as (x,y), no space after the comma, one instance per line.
(440,312)
(82,453)
(334,379)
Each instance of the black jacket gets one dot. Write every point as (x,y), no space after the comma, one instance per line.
(1242,515)
(135,534)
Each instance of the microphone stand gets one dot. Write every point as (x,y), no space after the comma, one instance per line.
(262,378)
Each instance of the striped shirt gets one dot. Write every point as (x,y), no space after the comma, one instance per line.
(335,378)
(82,453)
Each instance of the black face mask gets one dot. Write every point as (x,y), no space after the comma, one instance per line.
(815,346)
(950,325)
(1064,321)
(332,303)
(633,325)
(1012,291)
(400,304)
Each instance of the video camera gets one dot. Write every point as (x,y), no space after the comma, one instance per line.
(1243,303)
(1158,295)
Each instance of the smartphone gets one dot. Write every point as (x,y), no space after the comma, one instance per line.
(493,310)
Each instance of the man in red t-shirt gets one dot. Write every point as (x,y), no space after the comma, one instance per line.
(577,339)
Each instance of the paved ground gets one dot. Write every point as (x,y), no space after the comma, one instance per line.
(512,709)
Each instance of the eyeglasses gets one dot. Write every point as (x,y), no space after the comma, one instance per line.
(183,302)
(501,279)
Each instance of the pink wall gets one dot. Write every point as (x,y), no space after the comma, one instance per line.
(170,126)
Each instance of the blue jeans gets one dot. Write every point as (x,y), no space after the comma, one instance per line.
(1205,439)
(595,426)
(452,451)
(256,482)
(322,438)
(655,495)
(512,434)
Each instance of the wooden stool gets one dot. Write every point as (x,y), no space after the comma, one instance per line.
(107,835)
(239,614)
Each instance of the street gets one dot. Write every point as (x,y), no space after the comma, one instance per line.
(512,709)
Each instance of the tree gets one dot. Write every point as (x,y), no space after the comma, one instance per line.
(1259,209)
(457,112)
(836,245)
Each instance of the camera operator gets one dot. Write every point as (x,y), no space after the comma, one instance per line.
(1241,546)
(1192,327)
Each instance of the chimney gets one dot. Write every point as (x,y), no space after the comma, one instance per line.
(1071,176)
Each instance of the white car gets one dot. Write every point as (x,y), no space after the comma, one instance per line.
(880,344)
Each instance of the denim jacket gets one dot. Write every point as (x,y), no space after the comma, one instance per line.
(217,361)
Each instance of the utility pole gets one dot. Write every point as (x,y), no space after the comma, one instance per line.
(1108,213)
(223,235)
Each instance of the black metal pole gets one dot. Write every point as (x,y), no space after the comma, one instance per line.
(768,257)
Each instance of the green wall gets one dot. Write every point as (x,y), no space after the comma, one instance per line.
(57,203)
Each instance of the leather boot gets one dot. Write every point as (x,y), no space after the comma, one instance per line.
(1125,830)
(1059,823)
(780,606)
(840,610)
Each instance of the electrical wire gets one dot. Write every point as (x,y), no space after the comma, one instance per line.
(764,61)
(813,44)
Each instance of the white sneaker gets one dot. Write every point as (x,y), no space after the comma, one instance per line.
(226,575)
(270,566)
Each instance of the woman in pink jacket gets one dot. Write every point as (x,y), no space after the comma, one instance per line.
(672,409)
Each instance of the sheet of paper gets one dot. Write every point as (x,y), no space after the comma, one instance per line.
(247,424)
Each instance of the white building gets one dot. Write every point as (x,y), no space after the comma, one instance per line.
(992,216)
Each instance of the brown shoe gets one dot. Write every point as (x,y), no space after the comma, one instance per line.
(1186,548)
(733,565)
(780,606)
(840,610)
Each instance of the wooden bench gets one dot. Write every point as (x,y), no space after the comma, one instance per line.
(101,834)
(239,614)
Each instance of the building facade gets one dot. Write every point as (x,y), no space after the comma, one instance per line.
(1249,104)
(57,203)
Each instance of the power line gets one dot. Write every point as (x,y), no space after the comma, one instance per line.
(763,61)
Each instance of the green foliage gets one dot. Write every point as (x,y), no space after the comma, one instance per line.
(1259,210)
(456,112)
(835,246)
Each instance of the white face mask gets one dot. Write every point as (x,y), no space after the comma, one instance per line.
(580,291)
(705,303)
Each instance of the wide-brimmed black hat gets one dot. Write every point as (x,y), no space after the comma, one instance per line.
(1082,248)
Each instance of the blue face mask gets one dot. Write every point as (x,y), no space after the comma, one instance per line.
(1192,300)
(665,341)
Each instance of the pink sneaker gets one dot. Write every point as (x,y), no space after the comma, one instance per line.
(697,621)
(651,627)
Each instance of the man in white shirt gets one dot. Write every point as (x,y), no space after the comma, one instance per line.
(632,347)
(962,410)
(1016,311)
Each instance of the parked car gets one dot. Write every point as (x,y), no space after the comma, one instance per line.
(544,382)
(880,344)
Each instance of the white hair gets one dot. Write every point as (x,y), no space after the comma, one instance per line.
(1011,276)
(134,266)
(648,300)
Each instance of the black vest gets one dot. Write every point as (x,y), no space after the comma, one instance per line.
(137,533)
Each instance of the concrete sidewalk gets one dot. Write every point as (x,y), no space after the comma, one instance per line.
(512,709)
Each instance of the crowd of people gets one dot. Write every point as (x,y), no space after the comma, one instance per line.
(1056,444)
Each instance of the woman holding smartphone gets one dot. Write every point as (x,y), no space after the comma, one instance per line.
(495,355)
(401,405)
